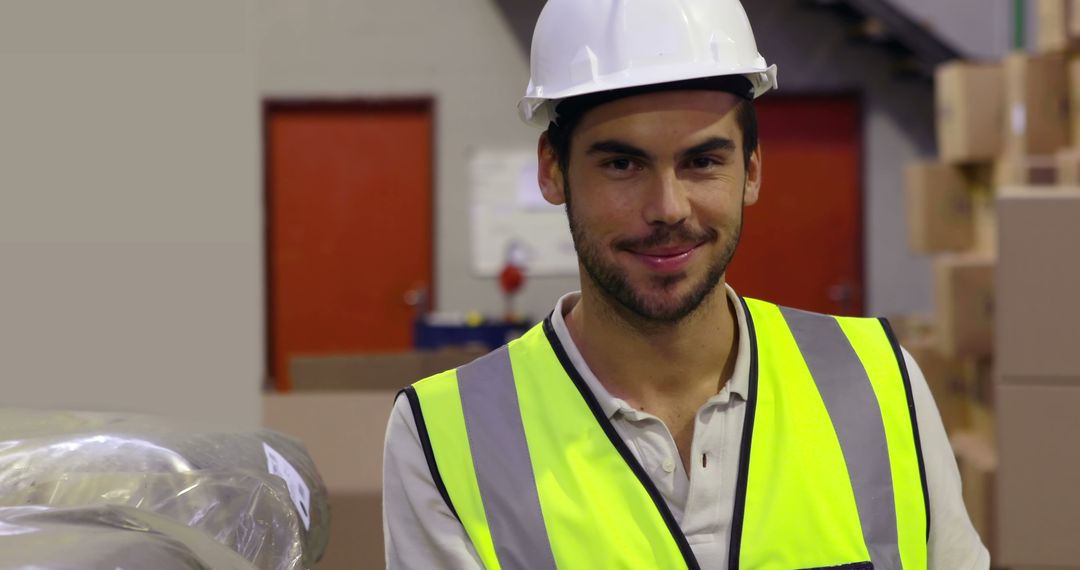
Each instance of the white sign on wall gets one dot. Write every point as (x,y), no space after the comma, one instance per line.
(511,217)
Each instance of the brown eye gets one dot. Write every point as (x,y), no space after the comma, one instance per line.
(704,162)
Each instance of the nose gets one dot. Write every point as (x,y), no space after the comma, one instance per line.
(667,202)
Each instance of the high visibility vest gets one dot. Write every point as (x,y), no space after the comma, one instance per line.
(830,472)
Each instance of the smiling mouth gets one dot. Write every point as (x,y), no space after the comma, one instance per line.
(666,252)
(671,259)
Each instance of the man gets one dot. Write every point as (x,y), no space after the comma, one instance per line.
(656,419)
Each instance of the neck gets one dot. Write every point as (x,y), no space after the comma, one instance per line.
(645,362)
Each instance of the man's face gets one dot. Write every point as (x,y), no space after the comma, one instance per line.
(655,190)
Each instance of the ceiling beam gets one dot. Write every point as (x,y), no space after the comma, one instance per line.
(916,37)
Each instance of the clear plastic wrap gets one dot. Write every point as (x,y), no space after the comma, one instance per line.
(106,537)
(257,492)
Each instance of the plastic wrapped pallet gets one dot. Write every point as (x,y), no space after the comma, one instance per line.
(106,537)
(257,493)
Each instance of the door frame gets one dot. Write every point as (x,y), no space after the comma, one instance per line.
(271,105)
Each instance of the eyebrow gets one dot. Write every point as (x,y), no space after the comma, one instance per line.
(611,146)
(710,145)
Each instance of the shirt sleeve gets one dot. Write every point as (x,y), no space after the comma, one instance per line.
(954,544)
(419,529)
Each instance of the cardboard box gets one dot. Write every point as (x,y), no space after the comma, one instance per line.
(964,293)
(1068,167)
(978,464)
(938,208)
(1053,21)
(344,434)
(912,329)
(1074,31)
(1073,70)
(970,107)
(982,190)
(947,380)
(985,221)
(1036,104)
(1038,474)
(374,371)
(979,373)
(1038,304)
(1028,567)
(1026,171)
(981,420)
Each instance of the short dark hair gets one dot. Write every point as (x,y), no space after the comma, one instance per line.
(559,134)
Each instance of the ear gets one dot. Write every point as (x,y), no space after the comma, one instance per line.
(753,178)
(549,174)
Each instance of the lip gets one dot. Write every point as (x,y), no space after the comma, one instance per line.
(666,259)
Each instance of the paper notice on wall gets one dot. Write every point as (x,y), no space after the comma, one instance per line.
(510,217)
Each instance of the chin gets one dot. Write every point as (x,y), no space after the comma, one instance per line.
(647,296)
(669,299)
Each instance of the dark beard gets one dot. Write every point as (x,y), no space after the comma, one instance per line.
(615,284)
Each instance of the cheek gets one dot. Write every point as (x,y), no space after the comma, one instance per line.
(599,220)
(719,204)
(600,204)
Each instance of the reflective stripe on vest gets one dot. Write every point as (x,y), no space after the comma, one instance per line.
(830,471)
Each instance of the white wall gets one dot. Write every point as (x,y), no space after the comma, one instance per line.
(130,228)
(462,54)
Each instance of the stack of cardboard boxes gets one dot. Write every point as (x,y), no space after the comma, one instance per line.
(999,211)
(950,209)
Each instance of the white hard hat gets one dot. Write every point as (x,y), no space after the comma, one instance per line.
(581,47)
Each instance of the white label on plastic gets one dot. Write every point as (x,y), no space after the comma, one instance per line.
(298,490)
(1019,119)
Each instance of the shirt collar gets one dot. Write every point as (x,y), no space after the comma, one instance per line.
(737,385)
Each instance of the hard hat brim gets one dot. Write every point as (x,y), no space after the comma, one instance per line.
(540,110)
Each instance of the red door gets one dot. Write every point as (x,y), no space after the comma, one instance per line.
(802,242)
(350,222)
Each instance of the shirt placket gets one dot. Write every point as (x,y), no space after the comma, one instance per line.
(655,449)
(705,512)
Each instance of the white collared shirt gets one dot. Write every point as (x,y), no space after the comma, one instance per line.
(421,532)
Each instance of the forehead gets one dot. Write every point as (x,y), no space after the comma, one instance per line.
(666,114)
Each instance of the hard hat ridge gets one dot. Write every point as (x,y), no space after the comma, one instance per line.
(585,47)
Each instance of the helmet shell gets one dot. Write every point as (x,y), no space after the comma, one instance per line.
(588,46)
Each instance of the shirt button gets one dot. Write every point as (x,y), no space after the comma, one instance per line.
(669,465)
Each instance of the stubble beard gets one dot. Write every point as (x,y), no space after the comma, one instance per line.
(614,282)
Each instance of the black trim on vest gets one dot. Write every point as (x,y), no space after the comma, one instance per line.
(620,446)
(744,453)
(914,419)
(854,566)
(425,442)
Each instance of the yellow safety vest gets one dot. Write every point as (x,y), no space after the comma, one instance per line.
(830,472)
